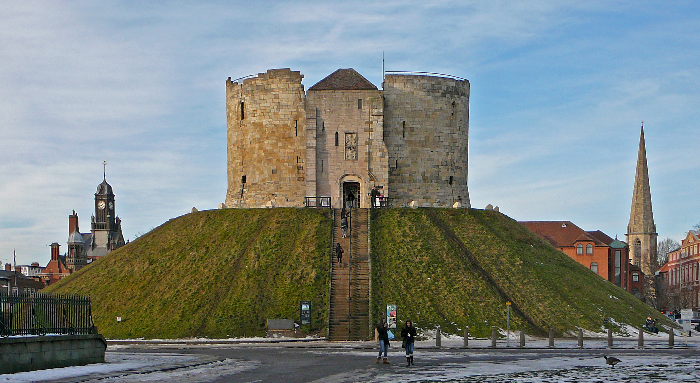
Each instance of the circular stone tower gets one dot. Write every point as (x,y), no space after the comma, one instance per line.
(266,140)
(426,130)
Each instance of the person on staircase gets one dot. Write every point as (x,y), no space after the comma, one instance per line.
(344,222)
(383,337)
(339,253)
(408,333)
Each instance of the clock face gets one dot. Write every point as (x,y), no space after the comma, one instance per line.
(101,205)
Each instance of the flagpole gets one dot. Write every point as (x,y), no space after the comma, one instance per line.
(14,252)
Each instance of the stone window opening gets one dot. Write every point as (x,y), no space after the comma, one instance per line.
(323,126)
(336,138)
(359,103)
(243,179)
(242,110)
(589,249)
(321,166)
(403,130)
(579,249)
(451,179)
(453,108)
(296,131)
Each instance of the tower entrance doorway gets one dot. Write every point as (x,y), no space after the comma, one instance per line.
(351,195)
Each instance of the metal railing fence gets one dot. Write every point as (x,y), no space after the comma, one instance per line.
(40,314)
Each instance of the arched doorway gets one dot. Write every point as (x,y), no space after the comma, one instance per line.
(351,195)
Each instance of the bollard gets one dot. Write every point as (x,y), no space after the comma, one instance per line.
(640,341)
(551,337)
(493,337)
(466,337)
(610,338)
(580,338)
(670,338)
(522,338)
(438,341)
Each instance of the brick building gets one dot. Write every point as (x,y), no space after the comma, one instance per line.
(13,281)
(344,137)
(603,255)
(682,273)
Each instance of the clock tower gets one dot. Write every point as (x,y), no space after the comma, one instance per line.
(106,226)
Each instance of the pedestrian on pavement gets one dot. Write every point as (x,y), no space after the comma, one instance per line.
(383,336)
(408,333)
(339,253)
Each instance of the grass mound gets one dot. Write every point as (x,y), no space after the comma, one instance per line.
(223,273)
(215,274)
(457,267)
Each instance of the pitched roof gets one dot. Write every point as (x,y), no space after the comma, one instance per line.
(561,233)
(602,237)
(344,79)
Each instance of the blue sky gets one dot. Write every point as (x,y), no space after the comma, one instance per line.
(559,89)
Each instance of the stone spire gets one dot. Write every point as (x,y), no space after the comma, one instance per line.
(641,230)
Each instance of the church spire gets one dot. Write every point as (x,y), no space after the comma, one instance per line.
(641,230)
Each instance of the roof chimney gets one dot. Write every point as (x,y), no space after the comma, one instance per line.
(73,223)
(54,251)
(8,267)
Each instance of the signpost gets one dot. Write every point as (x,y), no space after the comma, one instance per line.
(391,315)
(305,310)
(508,325)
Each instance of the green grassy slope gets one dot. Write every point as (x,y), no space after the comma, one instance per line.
(212,274)
(425,270)
(224,272)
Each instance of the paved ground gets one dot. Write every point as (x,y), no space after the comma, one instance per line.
(319,361)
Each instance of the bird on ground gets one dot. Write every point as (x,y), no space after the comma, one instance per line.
(611,360)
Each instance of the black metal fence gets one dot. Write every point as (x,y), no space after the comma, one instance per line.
(317,202)
(40,314)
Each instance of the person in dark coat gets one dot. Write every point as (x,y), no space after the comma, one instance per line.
(339,253)
(408,333)
(383,336)
(344,222)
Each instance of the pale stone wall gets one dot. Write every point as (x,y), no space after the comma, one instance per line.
(334,112)
(426,129)
(267,144)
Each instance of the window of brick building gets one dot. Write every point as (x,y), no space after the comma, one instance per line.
(594,267)
(350,146)
(579,249)
(589,249)
(635,277)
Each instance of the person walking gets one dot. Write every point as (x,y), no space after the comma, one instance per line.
(339,253)
(383,336)
(344,222)
(408,333)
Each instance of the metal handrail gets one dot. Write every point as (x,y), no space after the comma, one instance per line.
(427,73)
(244,77)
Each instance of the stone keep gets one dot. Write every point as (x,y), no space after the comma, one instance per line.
(343,137)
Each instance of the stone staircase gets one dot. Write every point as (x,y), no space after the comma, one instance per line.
(349,303)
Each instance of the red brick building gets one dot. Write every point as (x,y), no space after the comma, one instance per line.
(603,255)
(56,268)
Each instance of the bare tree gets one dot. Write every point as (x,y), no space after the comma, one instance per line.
(663,248)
